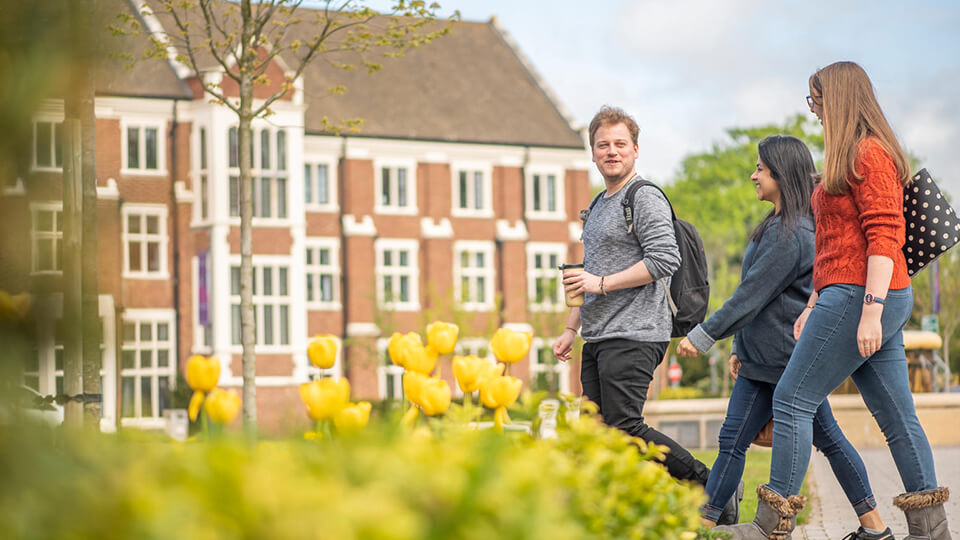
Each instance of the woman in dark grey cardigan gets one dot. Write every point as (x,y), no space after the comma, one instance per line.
(775,282)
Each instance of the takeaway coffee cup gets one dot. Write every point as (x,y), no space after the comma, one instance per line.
(572,300)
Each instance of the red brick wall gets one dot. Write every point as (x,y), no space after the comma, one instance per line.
(357,186)
(108,150)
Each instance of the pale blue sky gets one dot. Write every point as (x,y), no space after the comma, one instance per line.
(688,69)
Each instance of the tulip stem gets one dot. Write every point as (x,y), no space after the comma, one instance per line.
(327,432)
(466,401)
(205,422)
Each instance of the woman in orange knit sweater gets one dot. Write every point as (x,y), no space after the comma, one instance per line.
(852,325)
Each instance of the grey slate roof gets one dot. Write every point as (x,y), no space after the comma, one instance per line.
(468,86)
(472,86)
(146,78)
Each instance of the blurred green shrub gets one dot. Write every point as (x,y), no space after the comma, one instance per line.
(680,392)
(384,483)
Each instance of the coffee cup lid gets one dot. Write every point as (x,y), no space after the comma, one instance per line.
(563,267)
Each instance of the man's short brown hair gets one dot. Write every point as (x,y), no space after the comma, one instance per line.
(611,116)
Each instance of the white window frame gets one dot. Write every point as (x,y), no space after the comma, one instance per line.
(313,372)
(413,272)
(332,204)
(562,369)
(276,300)
(143,125)
(315,269)
(48,349)
(199,347)
(36,235)
(202,176)
(559,213)
(53,167)
(156,210)
(154,317)
(488,273)
(546,249)
(410,165)
(388,373)
(258,174)
(471,169)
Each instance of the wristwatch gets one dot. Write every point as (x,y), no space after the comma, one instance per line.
(871,299)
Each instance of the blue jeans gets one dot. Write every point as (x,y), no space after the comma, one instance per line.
(750,408)
(825,355)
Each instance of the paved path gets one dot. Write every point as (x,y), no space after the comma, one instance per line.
(831,516)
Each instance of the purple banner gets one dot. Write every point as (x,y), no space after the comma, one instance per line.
(203,303)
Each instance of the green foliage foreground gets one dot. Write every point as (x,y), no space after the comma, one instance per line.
(383,483)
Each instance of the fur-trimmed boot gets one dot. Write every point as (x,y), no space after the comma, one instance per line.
(926,518)
(775,520)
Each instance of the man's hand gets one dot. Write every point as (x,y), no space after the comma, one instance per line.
(685,348)
(564,344)
(734,366)
(580,282)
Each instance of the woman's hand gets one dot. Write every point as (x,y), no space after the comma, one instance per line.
(734,366)
(801,322)
(870,330)
(685,348)
(580,282)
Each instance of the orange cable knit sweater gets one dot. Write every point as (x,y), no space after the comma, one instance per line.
(866,220)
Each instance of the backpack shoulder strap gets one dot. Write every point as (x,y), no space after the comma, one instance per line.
(630,194)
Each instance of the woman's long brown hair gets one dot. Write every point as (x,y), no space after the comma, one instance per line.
(851,114)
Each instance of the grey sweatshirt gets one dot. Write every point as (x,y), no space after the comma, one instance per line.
(639,313)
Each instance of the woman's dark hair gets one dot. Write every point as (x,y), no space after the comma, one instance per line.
(791,165)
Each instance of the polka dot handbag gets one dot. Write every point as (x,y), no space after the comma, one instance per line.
(932,225)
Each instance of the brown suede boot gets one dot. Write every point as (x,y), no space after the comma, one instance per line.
(926,518)
(775,520)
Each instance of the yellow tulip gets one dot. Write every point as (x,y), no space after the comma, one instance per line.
(394,348)
(510,346)
(323,351)
(442,337)
(193,410)
(14,307)
(324,398)
(434,396)
(353,417)
(471,370)
(500,391)
(222,405)
(203,372)
(413,385)
(418,358)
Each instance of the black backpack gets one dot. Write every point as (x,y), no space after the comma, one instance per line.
(689,291)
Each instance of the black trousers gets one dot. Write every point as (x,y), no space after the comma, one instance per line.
(616,374)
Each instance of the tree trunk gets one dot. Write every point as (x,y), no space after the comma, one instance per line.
(72,255)
(92,359)
(247,322)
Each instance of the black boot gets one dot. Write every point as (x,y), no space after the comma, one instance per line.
(926,518)
(731,512)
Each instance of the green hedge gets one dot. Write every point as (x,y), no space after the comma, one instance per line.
(441,482)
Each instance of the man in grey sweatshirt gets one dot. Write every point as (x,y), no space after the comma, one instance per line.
(625,319)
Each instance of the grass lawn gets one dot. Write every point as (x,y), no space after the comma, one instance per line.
(755,472)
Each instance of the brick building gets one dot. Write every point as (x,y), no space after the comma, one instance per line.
(456,201)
